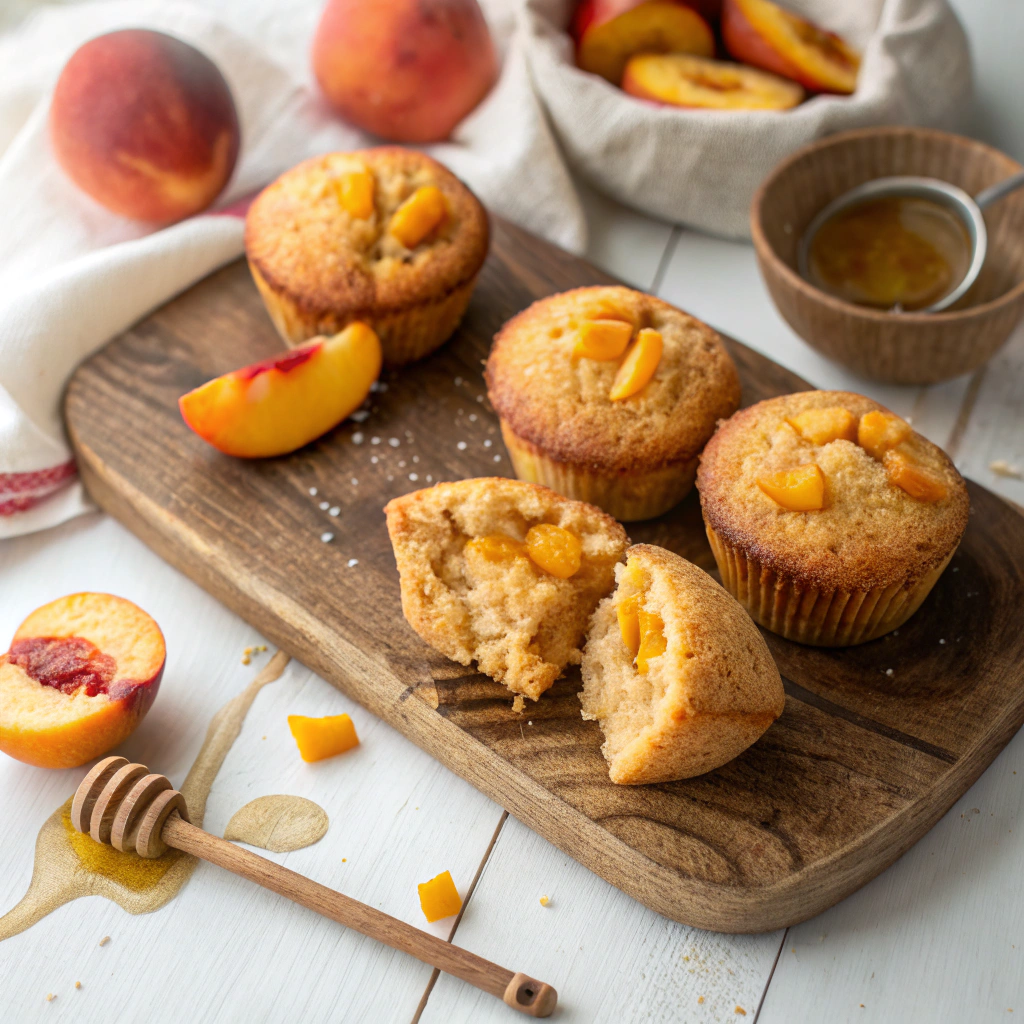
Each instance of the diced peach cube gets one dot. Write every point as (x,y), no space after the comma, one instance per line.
(555,550)
(439,898)
(602,339)
(423,212)
(820,426)
(799,490)
(497,547)
(639,366)
(912,477)
(355,193)
(881,431)
(318,738)
(628,613)
(652,639)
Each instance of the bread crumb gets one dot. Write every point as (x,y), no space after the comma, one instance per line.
(50,997)
(1002,468)
(740,1011)
(344,860)
(519,704)
(544,901)
(700,999)
(104,940)
(78,984)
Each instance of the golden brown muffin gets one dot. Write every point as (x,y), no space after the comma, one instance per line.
(471,557)
(678,676)
(634,457)
(879,512)
(323,251)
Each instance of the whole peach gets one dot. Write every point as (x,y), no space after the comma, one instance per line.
(145,124)
(407,70)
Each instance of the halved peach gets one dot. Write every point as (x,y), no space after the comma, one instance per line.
(760,33)
(681,81)
(609,32)
(280,404)
(81,673)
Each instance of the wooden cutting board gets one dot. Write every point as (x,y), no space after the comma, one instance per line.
(876,741)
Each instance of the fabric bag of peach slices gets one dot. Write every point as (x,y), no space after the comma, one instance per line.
(688,135)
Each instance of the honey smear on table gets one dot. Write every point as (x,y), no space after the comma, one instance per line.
(895,252)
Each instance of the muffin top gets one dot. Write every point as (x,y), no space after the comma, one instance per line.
(302,239)
(893,505)
(559,401)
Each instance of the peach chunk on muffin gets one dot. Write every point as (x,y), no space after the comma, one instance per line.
(503,573)
(80,674)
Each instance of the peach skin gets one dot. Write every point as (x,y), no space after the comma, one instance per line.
(81,673)
(280,404)
(760,33)
(681,81)
(406,70)
(145,124)
(609,32)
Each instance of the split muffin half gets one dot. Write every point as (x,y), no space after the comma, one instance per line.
(675,672)
(503,573)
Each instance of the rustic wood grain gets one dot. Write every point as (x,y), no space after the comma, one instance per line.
(860,765)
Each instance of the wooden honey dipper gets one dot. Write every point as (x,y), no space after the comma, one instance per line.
(124,805)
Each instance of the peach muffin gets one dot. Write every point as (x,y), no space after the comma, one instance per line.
(503,573)
(829,517)
(387,236)
(678,676)
(607,395)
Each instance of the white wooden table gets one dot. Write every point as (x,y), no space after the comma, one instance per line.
(937,937)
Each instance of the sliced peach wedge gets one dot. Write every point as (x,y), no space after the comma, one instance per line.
(81,673)
(681,81)
(278,405)
(765,35)
(609,32)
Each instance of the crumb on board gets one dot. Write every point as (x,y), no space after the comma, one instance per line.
(700,999)
(739,1010)
(78,984)
(519,704)
(1003,468)
(50,997)
(545,900)
(104,940)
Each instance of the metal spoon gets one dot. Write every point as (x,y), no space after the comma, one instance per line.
(953,198)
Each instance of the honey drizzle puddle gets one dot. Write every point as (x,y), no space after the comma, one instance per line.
(69,865)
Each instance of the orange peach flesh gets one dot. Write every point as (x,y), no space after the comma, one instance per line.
(276,406)
(681,81)
(406,70)
(158,151)
(659,26)
(762,34)
(81,674)
(639,366)
(798,490)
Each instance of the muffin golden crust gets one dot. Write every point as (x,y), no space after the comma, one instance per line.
(319,266)
(635,457)
(692,697)
(860,564)
(473,588)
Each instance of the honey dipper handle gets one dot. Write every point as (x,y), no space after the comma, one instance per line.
(524,994)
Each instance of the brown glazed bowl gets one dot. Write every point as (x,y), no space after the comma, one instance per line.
(897,348)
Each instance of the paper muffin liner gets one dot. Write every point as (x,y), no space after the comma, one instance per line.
(626,496)
(405,335)
(815,616)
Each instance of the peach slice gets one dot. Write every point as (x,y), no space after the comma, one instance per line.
(81,673)
(878,432)
(280,404)
(680,81)
(628,614)
(422,213)
(355,193)
(439,898)
(909,475)
(799,490)
(652,639)
(760,33)
(554,549)
(638,367)
(319,738)
(822,426)
(602,339)
(609,32)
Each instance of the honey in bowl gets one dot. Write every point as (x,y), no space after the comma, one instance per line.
(891,252)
